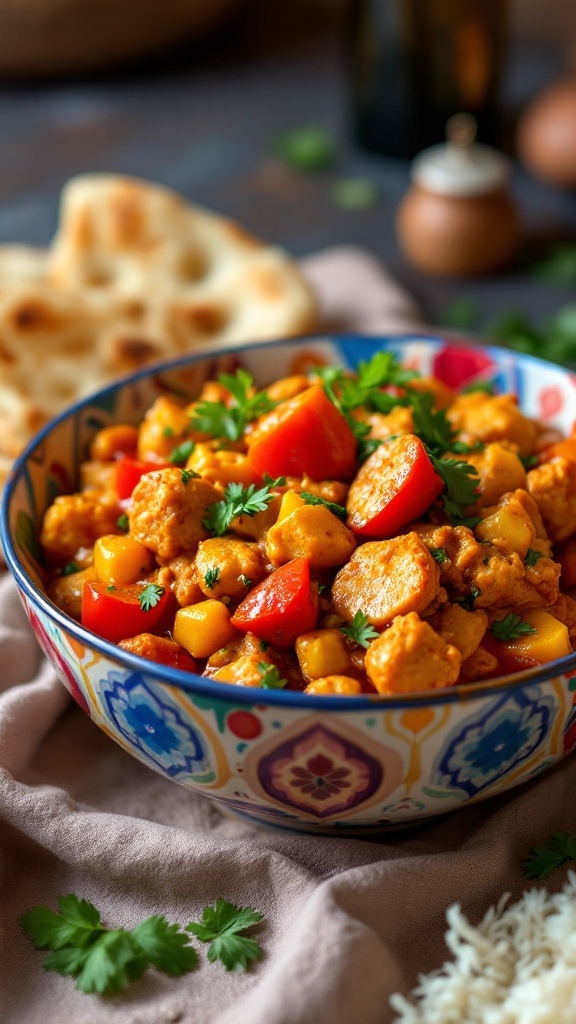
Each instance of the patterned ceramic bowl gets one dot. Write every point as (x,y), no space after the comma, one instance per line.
(323,764)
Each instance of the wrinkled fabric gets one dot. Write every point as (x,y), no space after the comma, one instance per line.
(347,921)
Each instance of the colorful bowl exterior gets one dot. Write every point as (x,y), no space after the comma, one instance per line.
(317,764)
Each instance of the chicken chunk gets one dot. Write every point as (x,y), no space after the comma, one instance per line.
(461,628)
(182,580)
(311,532)
(67,591)
(493,418)
(75,521)
(163,428)
(167,511)
(553,487)
(411,656)
(228,567)
(387,578)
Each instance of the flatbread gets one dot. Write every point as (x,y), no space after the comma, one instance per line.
(134,274)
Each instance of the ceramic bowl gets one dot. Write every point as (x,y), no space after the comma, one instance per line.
(318,764)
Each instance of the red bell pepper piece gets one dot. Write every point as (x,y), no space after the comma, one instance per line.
(306,435)
(282,607)
(117,613)
(161,650)
(396,485)
(129,470)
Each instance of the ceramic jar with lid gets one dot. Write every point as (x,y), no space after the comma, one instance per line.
(458,218)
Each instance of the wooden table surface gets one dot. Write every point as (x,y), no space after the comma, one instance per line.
(204,120)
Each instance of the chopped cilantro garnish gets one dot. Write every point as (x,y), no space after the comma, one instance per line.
(270,677)
(180,455)
(511,628)
(70,568)
(150,596)
(188,474)
(360,630)
(532,557)
(219,420)
(237,501)
(439,554)
(245,580)
(313,499)
(123,523)
(211,577)
(543,860)
(468,600)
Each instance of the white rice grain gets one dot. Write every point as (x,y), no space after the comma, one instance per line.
(518,966)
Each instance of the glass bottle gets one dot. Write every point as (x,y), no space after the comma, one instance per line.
(413,64)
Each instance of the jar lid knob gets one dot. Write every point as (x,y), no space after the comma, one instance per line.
(460,166)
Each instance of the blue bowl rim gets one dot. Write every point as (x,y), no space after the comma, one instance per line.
(202,685)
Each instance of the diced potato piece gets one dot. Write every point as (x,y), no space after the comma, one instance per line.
(344,686)
(311,532)
(67,591)
(112,441)
(221,467)
(323,652)
(550,641)
(162,429)
(509,529)
(120,559)
(242,671)
(500,470)
(464,629)
(254,527)
(203,628)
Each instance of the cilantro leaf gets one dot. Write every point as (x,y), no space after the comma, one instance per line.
(486,386)
(75,924)
(150,596)
(511,628)
(101,959)
(222,926)
(70,568)
(180,455)
(270,677)
(123,523)
(543,860)
(219,420)
(237,501)
(439,554)
(166,947)
(360,630)
(532,557)
(461,482)
(310,148)
(188,474)
(211,577)
(468,600)
(313,499)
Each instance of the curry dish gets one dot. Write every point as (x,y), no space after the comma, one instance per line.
(336,532)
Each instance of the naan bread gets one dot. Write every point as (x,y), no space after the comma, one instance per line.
(134,274)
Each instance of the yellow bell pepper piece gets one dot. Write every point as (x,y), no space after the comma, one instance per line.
(203,628)
(119,559)
(550,641)
(323,652)
(290,502)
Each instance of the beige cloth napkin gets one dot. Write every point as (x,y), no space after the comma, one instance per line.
(347,921)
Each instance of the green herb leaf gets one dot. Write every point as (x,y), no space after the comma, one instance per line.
(166,947)
(180,455)
(468,600)
(355,194)
(70,569)
(461,482)
(313,499)
(559,267)
(123,523)
(105,960)
(270,677)
(188,474)
(219,420)
(543,860)
(237,501)
(532,557)
(439,554)
(528,461)
(150,596)
(245,580)
(223,926)
(511,628)
(211,577)
(360,631)
(486,386)
(310,148)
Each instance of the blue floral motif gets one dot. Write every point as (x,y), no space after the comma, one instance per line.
(155,728)
(486,747)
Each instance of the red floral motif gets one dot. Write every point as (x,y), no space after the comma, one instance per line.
(550,402)
(455,365)
(320,778)
(54,655)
